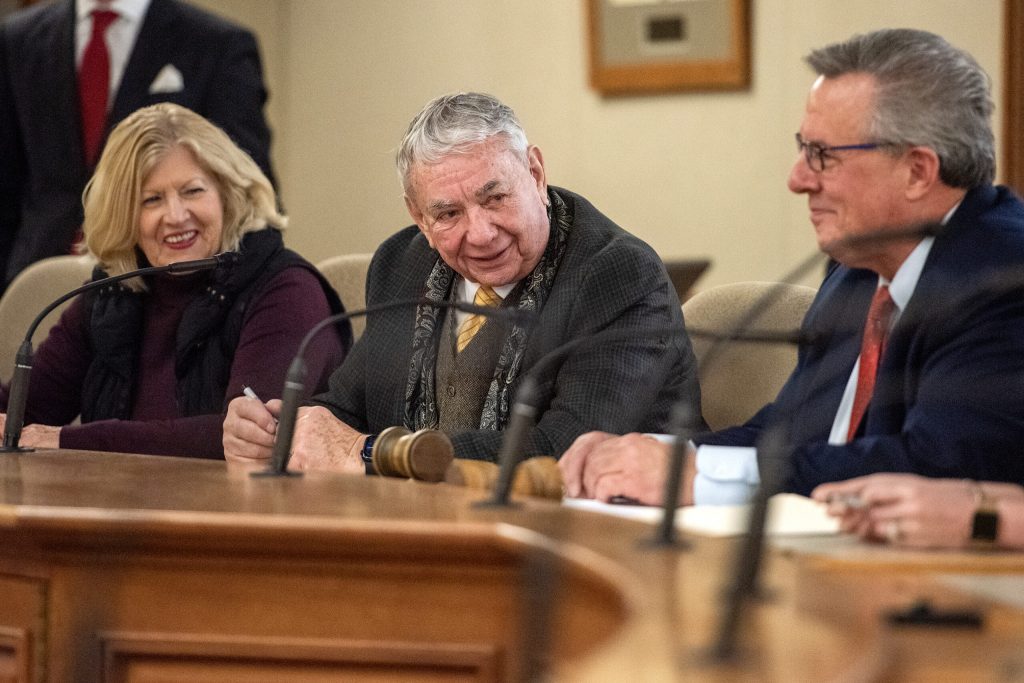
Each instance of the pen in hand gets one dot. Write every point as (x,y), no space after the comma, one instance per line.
(846,501)
(252,394)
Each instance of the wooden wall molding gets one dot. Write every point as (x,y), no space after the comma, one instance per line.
(131,657)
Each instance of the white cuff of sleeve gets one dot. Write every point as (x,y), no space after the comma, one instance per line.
(726,475)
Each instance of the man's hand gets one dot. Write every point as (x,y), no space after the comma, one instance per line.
(323,442)
(575,460)
(603,466)
(249,430)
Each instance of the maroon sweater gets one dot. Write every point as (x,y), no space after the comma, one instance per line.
(275,323)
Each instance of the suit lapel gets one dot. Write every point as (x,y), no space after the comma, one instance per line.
(53,70)
(153,49)
(837,322)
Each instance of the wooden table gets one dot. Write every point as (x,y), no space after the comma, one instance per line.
(133,568)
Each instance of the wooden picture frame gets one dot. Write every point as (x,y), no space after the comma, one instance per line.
(1013,95)
(654,46)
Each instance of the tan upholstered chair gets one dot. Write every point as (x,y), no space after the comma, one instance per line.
(347,274)
(746,375)
(32,290)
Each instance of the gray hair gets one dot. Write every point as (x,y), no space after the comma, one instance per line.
(929,94)
(451,124)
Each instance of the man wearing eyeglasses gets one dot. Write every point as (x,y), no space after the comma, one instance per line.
(918,359)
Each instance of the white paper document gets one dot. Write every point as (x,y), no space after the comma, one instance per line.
(788,514)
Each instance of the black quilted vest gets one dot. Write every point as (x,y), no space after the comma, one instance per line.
(206,338)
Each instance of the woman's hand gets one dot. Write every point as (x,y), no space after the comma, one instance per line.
(40,436)
(904,509)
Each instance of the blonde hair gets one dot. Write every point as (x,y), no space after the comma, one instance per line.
(112,198)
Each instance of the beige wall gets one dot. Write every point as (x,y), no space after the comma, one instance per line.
(693,174)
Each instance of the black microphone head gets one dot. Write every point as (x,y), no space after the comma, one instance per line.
(208,263)
(228,258)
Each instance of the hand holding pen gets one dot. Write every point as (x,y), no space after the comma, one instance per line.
(903,509)
(251,438)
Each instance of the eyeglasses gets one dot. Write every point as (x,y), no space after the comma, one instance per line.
(817,155)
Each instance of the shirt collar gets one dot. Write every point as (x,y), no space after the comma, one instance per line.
(904,282)
(129,9)
(467,290)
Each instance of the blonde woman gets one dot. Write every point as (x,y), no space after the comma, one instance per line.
(151,364)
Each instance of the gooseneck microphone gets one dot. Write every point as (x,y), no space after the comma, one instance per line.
(524,408)
(295,379)
(18,394)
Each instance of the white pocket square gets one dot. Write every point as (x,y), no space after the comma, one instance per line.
(168,80)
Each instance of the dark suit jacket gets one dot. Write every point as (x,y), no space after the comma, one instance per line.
(949,398)
(608,280)
(43,171)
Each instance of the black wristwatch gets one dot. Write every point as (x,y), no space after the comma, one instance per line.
(985,525)
(367,453)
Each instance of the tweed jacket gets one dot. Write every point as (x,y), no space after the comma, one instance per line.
(949,396)
(43,171)
(607,280)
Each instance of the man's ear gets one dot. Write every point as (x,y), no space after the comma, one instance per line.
(923,171)
(535,160)
(417,218)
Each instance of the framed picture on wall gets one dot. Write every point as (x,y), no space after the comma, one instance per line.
(649,46)
(11,6)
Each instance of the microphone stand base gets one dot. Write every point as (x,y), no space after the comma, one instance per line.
(659,543)
(715,655)
(16,449)
(758,594)
(267,473)
(492,503)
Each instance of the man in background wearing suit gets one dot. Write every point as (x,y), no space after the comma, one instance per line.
(918,359)
(490,230)
(71,70)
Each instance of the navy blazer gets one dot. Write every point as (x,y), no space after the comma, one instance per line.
(43,171)
(949,397)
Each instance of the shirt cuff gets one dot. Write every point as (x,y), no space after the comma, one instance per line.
(726,475)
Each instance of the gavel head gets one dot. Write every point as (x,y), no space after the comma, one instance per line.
(424,455)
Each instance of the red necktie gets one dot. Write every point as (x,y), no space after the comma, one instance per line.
(94,85)
(875,330)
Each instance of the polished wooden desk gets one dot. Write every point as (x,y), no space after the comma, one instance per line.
(133,568)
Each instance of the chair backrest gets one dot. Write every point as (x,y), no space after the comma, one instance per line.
(31,291)
(347,274)
(747,375)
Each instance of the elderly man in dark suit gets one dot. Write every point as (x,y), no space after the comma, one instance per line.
(71,70)
(490,230)
(918,359)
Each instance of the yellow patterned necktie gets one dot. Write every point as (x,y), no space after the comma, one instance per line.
(485,296)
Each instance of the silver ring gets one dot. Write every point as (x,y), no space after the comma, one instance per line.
(893,531)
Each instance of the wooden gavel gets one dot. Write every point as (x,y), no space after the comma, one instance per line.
(428,455)
(537,476)
(424,455)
